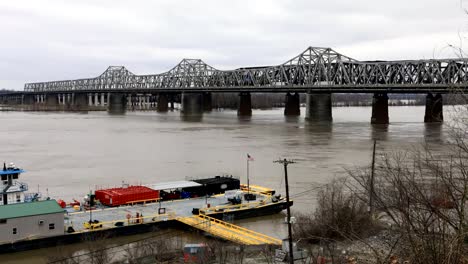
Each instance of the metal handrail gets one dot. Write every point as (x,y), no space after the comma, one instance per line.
(232,226)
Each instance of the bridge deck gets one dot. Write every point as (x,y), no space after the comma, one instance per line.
(228,231)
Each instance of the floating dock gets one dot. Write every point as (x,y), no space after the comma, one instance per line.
(209,210)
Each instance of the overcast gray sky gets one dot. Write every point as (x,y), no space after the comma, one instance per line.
(57,40)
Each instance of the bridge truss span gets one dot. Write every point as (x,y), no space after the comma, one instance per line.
(315,69)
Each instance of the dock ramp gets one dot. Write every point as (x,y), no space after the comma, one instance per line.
(228,231)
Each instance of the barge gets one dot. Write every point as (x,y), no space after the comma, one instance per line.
(129,210)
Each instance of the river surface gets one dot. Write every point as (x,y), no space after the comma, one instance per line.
(67,154)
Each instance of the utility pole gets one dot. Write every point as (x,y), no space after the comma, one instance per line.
(285,163)
(248,181)
(371,182)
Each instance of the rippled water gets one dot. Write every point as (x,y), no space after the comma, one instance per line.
(66,154)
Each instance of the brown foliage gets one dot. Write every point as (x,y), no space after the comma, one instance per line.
(340,214)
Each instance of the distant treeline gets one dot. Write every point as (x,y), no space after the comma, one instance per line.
(271,100)
(5,91)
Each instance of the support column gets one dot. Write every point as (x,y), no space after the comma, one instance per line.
(162,101)
(90,100)
(319,107)
(117,103)
(80,101)
(28,99)
(52,100)
(192,104)
(380,109)
(147,101)
(140,100)
(102,99)
(292,105)
(207,102)
(172,103)
(434,109)
(245,104)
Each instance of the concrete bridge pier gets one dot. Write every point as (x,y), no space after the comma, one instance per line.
(151,101)
(147,101)
(80,101)
(162,103)
(96,99)
(28,99)
(117,103)
(319,107)
(90,99)
(245,104)
(52,100)
(292,105)
(68,101)
(140,101)
(172,101)
(434,108)
(103,99)
(207,102)
(380,109)
(192,104)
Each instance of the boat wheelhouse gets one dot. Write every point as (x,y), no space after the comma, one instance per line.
(12,190)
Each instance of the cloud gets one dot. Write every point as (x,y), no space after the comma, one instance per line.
(56,40)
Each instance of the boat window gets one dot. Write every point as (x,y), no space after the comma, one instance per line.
(3,221)
(4,177)
(15,176)
(18,198)
(51,226)
(14,231)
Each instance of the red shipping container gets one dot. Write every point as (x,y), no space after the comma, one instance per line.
(126,195)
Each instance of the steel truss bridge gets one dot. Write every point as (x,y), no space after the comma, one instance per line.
(316,70)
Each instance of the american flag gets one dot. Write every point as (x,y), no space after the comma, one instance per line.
(249,158)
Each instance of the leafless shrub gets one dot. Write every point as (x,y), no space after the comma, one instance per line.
(340,214)
(62,256)
(221,250)
(268,253)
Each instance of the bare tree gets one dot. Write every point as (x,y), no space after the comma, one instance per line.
(422,194)
(61,255)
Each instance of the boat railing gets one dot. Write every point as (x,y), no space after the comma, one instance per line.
(222,208)
(31,197)
(190,178)
(19,186)
(243,229)
(133,220)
